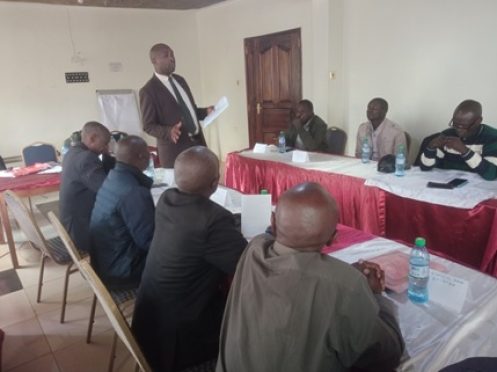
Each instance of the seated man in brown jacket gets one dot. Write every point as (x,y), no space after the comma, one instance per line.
(294,309)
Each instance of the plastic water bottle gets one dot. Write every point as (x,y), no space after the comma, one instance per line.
(419,272)
(366,151)
(400,161)
(150,171)
(281,142)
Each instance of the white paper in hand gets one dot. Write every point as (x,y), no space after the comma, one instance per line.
(256,214)
(219,107)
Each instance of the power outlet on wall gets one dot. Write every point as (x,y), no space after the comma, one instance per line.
(77,77)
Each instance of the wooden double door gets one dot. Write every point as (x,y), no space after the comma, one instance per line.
(274,83)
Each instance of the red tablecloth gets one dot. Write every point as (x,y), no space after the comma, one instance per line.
(465,236)
(32,181)
(361,207)
(345,237)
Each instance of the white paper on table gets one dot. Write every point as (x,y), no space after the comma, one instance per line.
(300,156)
(168,177)
(447,290)
(256,214)
(55,169)
(220,196)
(260,148)
(219,107)
(6,174)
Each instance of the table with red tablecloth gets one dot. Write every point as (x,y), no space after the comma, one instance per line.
(467,236)
(24,186)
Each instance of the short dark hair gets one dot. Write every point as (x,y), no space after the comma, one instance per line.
(470,105)
(382,101)
(307,104)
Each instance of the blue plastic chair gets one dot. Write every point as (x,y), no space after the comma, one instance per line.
(39,152)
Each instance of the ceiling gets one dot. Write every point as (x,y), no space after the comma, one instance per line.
(143,4)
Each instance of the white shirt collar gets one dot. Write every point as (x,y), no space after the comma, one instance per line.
(163,78)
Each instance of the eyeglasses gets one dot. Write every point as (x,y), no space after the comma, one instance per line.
(461,126)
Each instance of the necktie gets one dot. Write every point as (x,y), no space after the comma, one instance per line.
(186,119)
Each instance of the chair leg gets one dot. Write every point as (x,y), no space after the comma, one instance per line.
(64,293)
(91,320)
(112,353)
(40,277)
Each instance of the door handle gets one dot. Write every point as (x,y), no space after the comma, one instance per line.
(258,108)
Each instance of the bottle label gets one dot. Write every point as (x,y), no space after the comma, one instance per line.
(420,272)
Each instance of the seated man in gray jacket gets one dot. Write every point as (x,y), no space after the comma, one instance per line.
(308,131)
(122,221)
(293,309)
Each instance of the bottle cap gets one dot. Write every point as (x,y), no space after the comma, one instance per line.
(420,242)
(264,192)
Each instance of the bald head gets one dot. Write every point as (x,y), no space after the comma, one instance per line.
(133,150)
(95,136)
(196,171)
(306,217)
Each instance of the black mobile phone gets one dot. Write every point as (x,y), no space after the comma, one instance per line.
(439,185)
(452,184)
(458,182)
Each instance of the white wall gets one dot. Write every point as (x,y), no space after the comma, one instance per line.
(222,29)
(423,56)
(36,49)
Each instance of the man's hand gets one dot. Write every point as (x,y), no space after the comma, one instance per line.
(437,142)
(210,109)
(175,132)
(374,273)
(297,123)
(456,144)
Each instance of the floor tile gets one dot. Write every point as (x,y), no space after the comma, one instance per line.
(45,363)
(51,293)
(73,331)
(29,273)
(15,308)
(93,357)
(24,342)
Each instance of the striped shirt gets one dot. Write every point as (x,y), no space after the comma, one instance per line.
(481,157)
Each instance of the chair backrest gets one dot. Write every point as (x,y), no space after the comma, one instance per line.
(66,239)
(336,139)
(2,164)
(408,142)
(26,221)
(39,152)
(114,314)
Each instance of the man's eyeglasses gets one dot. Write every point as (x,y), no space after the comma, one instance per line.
(461,126)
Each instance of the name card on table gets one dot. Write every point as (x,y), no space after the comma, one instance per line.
(260,148)
(256,214)
(300,156)
(447,290)
(220,196)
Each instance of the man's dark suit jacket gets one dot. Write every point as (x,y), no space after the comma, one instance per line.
(82,175)
(180,305)
(160,111)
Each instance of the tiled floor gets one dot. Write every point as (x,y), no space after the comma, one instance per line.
(35,340)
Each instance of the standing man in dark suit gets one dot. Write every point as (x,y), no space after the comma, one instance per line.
(82,175)
(168,109)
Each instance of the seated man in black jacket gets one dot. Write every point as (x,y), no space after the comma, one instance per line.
(196,243)
(122,222)
(82,175)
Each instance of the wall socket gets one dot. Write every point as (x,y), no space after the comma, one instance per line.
(77,77)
